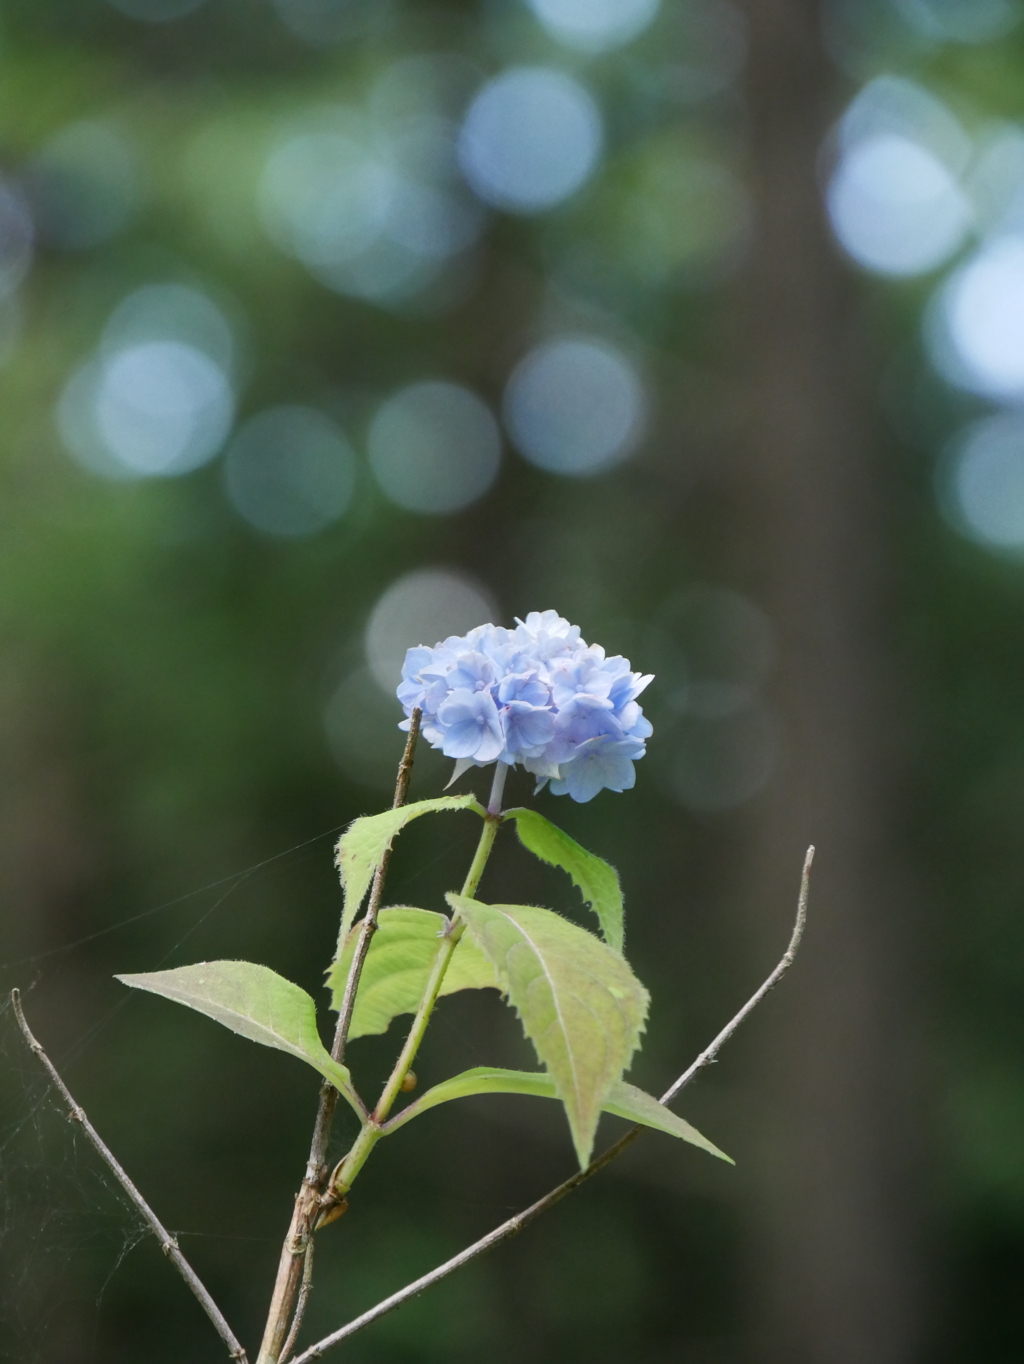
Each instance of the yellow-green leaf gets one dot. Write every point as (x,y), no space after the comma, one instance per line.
(596,880)
(578,1000)
(364,843)
(256,1003)
(625,1101)
(402,951)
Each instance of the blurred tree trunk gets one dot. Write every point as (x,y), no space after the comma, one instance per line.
(834,1248)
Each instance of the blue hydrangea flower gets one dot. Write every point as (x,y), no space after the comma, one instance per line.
(537,695)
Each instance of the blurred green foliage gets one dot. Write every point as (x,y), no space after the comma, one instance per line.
(169,789)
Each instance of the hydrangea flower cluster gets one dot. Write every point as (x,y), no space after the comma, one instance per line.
(537,695)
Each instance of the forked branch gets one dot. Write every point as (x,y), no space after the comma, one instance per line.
(516,1224)
(168,1244)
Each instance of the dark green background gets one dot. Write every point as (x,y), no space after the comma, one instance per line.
(164,670)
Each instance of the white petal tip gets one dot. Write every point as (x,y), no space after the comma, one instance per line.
(461,765)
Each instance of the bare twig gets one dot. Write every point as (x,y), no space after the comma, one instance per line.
(709,1053)
(168,1244)
(309,1203)
(300,1307)
(376,891)
(516,1224)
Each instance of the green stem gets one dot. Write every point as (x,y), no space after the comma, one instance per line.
(483,852)
(371,1133)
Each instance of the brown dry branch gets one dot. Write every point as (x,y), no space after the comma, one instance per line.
(300,1307)
(310,1204)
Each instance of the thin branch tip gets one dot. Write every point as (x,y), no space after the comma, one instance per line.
(801,904)
(806,874)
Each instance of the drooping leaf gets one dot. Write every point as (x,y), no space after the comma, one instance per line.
(596,880)
(255,1002)
(580,1004)
(401,953)
(479,1080)
(625,1101)
(364,843)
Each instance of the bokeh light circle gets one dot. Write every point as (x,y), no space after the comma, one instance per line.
(434,447)
(575,405)
(158,408)
(16,234)
(170,312)
(895,207)
(708,40)
(713,649)
(156,11)
(371,212)
(75,417)
(421,608)
(158,398)
(961,21)
(324,197)
(595,25)
(361,723)
(437,84)
(982,482)
(289,471)
(322,23)
(530,138)
(720,762)
(84,185)
(975,329)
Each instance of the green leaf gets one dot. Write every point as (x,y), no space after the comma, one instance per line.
(395,972)
(364,843)
(580,1004)
(255,1002)
(480,1080)
(625,1101)
(596,880)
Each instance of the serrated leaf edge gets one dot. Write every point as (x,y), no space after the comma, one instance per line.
(615,939)
(457,901)
(353,902)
